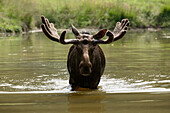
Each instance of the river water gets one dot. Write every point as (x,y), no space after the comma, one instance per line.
(34,77)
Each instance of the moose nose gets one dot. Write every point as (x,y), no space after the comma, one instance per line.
(85,68)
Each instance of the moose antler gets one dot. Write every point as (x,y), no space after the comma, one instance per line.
(118,32)
(51,32)
(120,29)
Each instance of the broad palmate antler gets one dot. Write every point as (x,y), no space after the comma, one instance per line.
(51,32)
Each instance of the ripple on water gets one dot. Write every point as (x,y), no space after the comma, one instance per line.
(137,63)
(112,85)
(107,85)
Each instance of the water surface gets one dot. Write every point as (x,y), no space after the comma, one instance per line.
(34,77)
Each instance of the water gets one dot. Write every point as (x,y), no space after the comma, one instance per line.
(34,77)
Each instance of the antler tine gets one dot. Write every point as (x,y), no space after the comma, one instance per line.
(46,32)
(51,32)
(46,23)
(120,29)
(68,41)
(118,33)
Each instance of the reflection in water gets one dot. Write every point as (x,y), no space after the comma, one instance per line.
(33,76)
(84,103)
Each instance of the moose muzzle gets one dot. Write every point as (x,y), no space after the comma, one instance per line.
(85,65)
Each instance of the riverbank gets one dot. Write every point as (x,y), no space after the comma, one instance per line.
(92,31)
(23,16)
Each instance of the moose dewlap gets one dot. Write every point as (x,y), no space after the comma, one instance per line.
(86,60)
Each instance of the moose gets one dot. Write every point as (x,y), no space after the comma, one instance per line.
(86,60)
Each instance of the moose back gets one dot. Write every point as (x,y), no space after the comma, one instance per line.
(86,60)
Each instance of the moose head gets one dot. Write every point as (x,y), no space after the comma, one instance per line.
(86,60)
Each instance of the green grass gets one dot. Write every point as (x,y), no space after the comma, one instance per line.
(24,15)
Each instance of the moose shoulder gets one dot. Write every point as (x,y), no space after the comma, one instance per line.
(86,60)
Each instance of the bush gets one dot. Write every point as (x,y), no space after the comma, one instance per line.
(24,15)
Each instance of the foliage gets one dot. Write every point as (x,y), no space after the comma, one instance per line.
(24,15)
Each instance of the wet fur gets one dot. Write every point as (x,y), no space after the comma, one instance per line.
(97,59)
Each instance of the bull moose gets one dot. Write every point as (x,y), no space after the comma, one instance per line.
(86,60)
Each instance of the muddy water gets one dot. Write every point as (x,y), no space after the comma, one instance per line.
(34,77)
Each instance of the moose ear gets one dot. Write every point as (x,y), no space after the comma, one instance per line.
(100,34)
(74,30)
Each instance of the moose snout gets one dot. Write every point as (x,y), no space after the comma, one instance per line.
(85,68)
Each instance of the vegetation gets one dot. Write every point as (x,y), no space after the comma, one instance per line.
(24,15)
